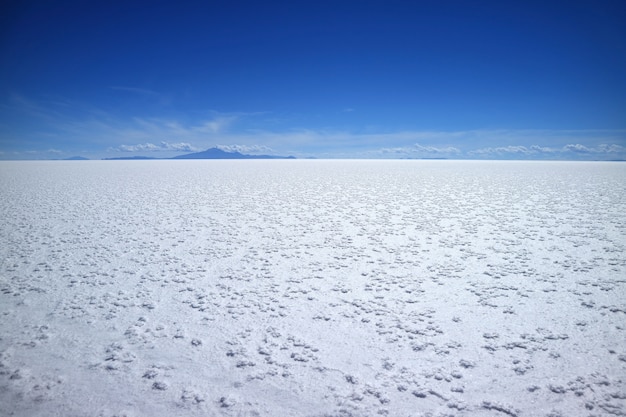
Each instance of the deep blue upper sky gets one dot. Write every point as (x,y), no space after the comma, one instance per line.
(477,79)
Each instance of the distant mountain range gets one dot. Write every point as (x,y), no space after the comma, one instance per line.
(211,153)
(215,153)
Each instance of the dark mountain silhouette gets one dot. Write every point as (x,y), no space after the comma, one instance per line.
(216,153)
(211,153)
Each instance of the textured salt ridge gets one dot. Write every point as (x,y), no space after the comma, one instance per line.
(312,288)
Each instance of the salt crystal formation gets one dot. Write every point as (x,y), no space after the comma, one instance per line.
(312,288)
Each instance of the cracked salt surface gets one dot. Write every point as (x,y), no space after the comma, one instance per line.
(312,288)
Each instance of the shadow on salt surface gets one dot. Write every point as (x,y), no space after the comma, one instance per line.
(369,288)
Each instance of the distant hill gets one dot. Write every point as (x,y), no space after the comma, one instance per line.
(211,153)
(215,153)
(76,158)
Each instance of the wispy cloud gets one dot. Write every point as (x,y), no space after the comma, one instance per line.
(501,150)
(20,105)
(408,144)
(612,148)
(71,128)
(161,147)
(246,149)
(418,150)
(217,125)
(569,150)
(139,133)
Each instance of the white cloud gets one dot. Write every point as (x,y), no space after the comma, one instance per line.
(542,149)
(87,129)
(137,148)
(514,149)
(246,149)
(181,146)
(217,125)
(613,148)
(151,147)
(420,150)
(548,152)
(602,148)
(433,149)
(578,148)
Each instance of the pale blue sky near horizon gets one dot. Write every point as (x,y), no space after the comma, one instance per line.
(326,79)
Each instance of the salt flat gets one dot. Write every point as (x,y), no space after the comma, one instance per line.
(312,288)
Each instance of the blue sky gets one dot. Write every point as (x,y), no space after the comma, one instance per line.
(368,79)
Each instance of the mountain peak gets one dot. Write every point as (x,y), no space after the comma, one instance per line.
(216,153)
